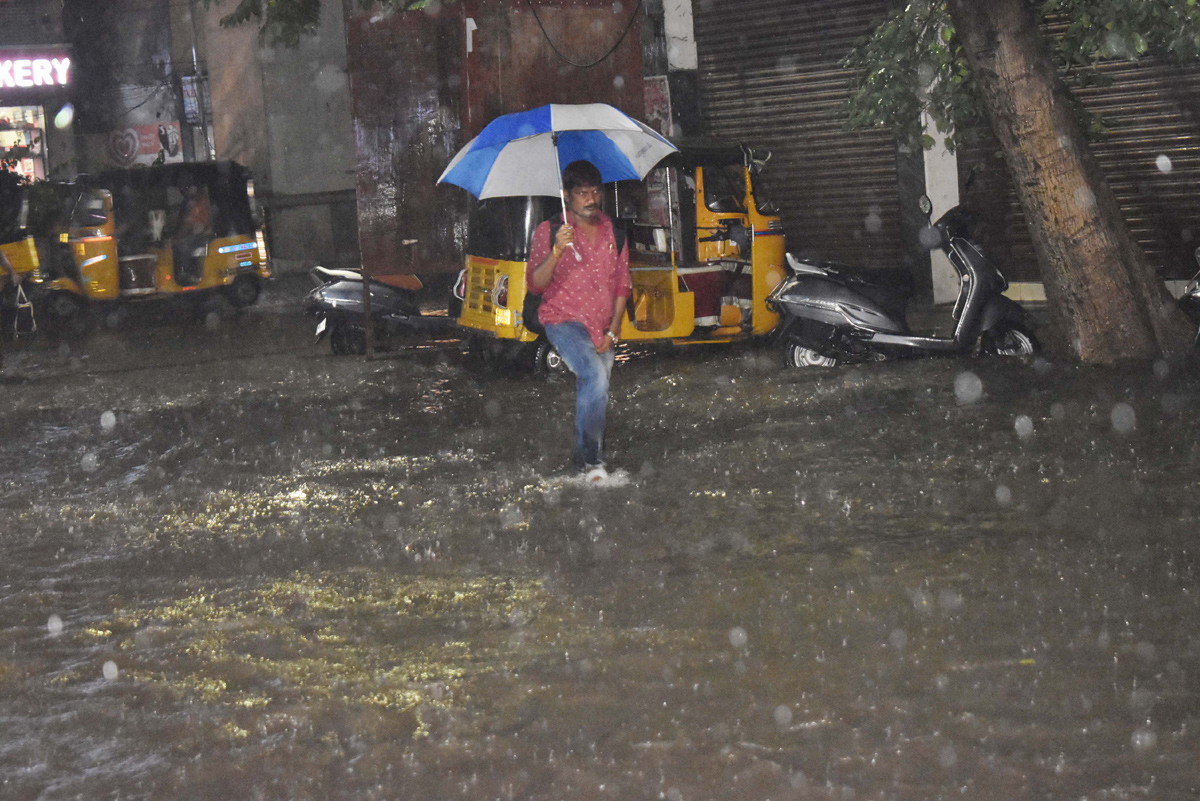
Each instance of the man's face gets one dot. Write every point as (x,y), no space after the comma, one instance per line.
(584,202)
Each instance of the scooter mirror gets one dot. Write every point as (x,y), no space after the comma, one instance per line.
(925,205)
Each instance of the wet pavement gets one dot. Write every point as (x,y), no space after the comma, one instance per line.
(235,566)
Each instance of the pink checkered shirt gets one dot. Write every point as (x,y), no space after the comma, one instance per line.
(582,291)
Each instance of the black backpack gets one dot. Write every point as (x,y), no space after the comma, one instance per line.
(529,312)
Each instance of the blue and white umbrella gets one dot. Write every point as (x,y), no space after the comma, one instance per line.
(520,154)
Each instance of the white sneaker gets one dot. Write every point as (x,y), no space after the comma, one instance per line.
(595,474)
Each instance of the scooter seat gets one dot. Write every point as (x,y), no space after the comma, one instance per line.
(324,274)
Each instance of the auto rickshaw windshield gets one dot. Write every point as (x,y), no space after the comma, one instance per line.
(88,210)
(764,204)
(725,188)
(501,227)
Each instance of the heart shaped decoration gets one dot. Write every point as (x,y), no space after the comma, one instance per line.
(123,146)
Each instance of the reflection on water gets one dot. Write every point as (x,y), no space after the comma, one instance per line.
(304,577)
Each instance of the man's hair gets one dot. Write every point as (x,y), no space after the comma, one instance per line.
(580,173)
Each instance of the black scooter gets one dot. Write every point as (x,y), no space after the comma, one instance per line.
(836,313)
(337,302)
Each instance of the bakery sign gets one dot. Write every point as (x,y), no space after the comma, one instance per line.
(30,70)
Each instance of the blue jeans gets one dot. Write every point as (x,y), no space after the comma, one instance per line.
(592,373)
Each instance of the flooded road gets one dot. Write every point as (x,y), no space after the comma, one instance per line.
(234,566)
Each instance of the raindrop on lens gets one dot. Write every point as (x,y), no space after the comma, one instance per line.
(1124,420)
(110,670)
(90,462)
(950,600)
(968,388)
(619,82)
(898,639)
(1143,739)
(783,716)
(1024,426)
(737,637)
(64,117)
(1161,369)
(873,221)
(492,408)
(212,321)
(1003,495)
(108,421)
(1163,162)
(54,625)
(947,756)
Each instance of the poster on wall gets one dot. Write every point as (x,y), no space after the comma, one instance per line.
(145,144)
(657,96)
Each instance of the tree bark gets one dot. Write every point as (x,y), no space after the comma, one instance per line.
(1102,291)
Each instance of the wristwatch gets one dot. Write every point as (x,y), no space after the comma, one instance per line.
(615,339)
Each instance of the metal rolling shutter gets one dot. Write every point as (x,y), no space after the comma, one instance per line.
(1151,110)
(770,76)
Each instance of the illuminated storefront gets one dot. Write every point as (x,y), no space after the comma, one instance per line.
(34,90)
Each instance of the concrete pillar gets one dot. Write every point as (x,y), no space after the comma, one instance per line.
(941,185)
(679,30)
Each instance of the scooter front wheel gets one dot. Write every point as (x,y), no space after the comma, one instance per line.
(1009,340)
(795,355)
(546,360)
(347,340)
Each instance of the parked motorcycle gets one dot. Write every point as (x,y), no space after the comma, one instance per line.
(337,302)
(837,313)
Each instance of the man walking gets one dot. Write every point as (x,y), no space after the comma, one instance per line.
(583,278)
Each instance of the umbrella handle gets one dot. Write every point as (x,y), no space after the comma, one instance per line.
(561,194)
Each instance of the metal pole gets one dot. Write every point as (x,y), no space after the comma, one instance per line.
(368,325)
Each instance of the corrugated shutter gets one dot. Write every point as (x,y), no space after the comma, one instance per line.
(1152,111)
(770,76)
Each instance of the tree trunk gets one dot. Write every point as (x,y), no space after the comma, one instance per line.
(1102,291)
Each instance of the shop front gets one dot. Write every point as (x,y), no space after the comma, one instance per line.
(35,109)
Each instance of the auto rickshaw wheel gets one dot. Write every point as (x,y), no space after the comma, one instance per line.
(477,354)
(547,360)
(346,339)
(243,291)
(70,313)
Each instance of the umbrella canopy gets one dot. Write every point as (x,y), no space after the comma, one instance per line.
(520,154)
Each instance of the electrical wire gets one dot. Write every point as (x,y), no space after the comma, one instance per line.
(608,53)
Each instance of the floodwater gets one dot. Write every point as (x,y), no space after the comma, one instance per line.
(234,566)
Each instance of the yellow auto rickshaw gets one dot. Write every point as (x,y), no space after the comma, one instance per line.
(706,248)
(156,232)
